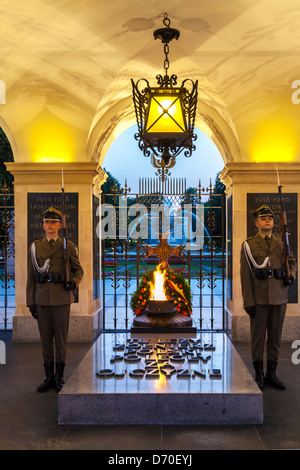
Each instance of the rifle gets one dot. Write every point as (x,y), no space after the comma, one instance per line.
(285,234)
(65,233)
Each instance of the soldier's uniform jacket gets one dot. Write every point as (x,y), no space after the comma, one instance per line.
(270,291)
(52,293)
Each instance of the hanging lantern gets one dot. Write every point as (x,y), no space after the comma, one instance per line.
(165,114)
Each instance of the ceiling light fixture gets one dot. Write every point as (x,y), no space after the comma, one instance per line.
(165,114)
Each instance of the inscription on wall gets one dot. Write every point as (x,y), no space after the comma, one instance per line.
(37,203)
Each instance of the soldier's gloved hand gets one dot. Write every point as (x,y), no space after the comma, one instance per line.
(33,311)
(70,285)
(251,311)
(290,281)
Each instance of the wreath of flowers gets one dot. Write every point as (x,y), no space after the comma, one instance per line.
(176,288)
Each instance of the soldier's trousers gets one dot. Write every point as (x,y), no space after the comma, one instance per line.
(267,324)
(53,323)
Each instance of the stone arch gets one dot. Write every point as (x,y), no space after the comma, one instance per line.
(2,92)
(10,138)
(108,126)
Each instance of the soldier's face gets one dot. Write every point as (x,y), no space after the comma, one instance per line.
(265,224)
(51,228)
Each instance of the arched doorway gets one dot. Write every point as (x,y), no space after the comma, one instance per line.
(124,265)
(214,124)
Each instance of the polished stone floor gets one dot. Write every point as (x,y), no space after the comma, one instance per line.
(28,420)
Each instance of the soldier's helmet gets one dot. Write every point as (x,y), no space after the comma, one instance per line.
(263,211)
(52,214)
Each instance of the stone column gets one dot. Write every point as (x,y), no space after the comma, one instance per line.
(241,179)
(83,178)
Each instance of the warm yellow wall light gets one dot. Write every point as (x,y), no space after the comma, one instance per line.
(275,141)
(51,141)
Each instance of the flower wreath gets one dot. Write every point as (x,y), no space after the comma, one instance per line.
(176,288)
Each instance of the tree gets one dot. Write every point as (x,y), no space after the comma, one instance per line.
(219,187)
(111,185)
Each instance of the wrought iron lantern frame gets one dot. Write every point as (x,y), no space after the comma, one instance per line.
(165,146)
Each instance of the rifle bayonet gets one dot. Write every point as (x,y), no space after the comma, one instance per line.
(285,235)
(65,233)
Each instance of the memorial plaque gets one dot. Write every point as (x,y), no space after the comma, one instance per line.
(273,200)
(37,203)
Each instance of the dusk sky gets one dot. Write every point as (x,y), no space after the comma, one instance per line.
(125,160)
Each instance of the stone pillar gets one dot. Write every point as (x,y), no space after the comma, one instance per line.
(79,177)
(241,179)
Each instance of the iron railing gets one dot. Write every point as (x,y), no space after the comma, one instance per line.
(7,258)
(123,259)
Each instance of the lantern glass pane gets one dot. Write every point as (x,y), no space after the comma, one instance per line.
(165,115)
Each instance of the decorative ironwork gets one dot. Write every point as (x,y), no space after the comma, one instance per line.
(165,114)
(124,261)
(163,251)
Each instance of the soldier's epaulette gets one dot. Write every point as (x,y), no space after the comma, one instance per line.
(250,238)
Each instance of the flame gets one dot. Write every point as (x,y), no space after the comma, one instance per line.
(157,290)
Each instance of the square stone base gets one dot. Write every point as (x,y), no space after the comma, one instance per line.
(161,379)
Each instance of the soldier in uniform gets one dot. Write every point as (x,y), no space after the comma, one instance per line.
(49,296)
(265,294)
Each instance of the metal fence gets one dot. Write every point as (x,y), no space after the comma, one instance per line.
(7,258)
(123,257)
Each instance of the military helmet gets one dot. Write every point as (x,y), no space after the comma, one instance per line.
(52,214)
(263,211)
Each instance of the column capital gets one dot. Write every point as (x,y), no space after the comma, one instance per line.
(99,180)
(51,173)
(260,173)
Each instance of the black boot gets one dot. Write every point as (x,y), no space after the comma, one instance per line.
(59,376)
(259,374)
(48,381)
(271,378)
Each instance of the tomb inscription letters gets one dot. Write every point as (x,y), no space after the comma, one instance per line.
(183,359)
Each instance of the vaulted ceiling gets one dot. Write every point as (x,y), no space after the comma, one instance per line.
(67,66)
